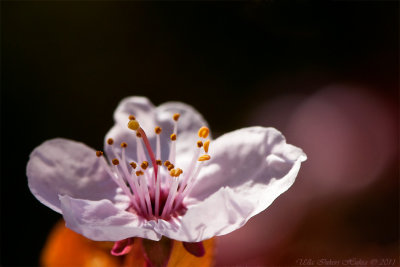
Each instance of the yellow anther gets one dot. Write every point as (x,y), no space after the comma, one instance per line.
(144,165)
(99,153)
(167,163)
(170,167)
(173,137)
(133,125)
(159,162)
(138,173)
(115,162)
(173,172)
(158,130)
(206,145)
(176,116)
(110,141)
(123,144)
(204,158)
(131,117)
(199,144)
(138,134)
(133,164)
(203,132)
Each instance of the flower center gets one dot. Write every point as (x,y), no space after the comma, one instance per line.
(156,190)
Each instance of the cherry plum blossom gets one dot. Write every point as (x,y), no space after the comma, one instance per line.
(161,174)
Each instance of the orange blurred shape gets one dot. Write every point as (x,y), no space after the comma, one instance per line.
(64,247)
(180,257)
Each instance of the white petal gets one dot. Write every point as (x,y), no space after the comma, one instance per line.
(189,122)
(140,107)
(103,221)
(144,111)
(149,117)
(248,170)
(61,166)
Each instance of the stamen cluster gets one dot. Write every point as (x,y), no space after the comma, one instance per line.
(155,191)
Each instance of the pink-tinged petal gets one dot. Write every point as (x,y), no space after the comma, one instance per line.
(189,122)
(144,111)
(121,134)
(61,166)
(140,107)
(248,170)
(103,221)
(149,117)
(256,159)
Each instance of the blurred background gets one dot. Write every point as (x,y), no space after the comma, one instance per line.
(324,73)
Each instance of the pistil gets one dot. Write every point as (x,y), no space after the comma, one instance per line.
(134,125)
(158,131)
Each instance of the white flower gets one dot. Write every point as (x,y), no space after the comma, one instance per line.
(202,189)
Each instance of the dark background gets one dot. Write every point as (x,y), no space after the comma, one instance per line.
(66,65)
